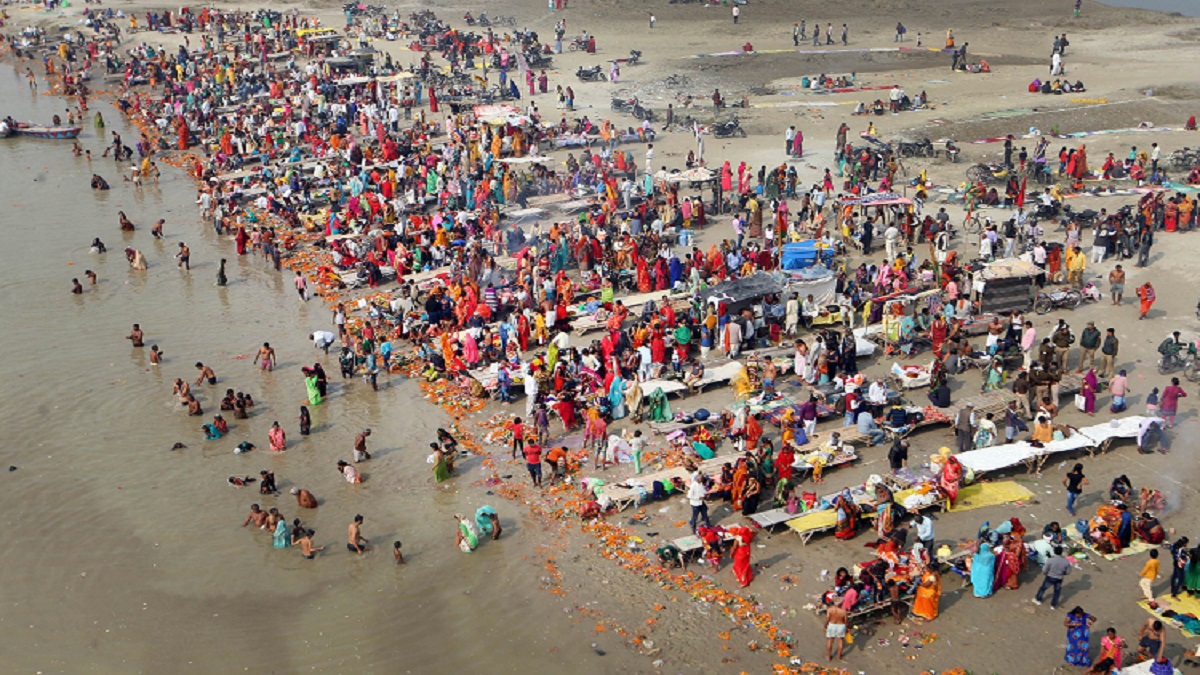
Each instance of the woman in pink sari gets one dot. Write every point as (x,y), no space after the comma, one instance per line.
(726,177)
(277,438)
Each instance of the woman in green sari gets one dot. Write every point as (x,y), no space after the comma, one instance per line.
(467,537)
(310,382)
(1191,575)
(441,471)
(993,375)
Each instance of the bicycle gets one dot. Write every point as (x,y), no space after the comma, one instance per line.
(973,224)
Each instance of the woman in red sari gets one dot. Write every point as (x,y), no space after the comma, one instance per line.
(643,274)
(783,463)
(742,537)
(523,332)
(662,277)
(240,239)
(951,478)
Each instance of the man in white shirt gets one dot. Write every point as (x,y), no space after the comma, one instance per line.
(810,310)
(788,137)
(695,497)
(792,312)
(924,529)
(322,339)
(649,157)
(891,240)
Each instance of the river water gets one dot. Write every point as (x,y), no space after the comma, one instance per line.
(123,556)
(1185,7)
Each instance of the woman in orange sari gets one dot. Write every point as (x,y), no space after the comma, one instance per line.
(740,477)
(929,594)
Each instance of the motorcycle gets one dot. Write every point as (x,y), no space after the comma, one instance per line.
(635,57)
(624,104)
(593,74)
(1068,298)
(642,113)
(923,148)
(952,152)
(728,129)
(469,19)
(579,44)
(1085,217)
(539,60)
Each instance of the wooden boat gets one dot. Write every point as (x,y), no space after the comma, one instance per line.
(39,131)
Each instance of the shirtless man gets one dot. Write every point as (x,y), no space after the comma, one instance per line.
(91,276)
(206,373)
(304,498)
(182,390)
(355,542)
(1116,284)
(193,406)
(257,516)
(306,546)
(770,372)
(184,255)
(266,354)
(136,336)
(76,287)
(835,630)
(157,229)
(155,355)
(360,446)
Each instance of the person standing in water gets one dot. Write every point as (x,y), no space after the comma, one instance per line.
(221,278)
(185,256)
(355,542)
(136,336)
(265,357)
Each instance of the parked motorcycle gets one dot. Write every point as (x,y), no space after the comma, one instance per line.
(578,44)
(729,129)
(635,57)
(624,104)
(952,151)
(1068,298)
(593,74)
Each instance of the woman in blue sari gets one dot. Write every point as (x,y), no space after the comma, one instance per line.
(983,571)
(281,536)
(1079,636)
(483,520)
(616,398)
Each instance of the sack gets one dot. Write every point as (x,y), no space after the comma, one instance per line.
(1080,401)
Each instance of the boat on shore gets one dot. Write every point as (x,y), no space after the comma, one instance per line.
(10,127)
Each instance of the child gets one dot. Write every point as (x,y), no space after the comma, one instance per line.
(397,554)
(818,465)
(1152,403)
(518,432)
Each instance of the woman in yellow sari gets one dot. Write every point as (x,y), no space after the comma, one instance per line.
(929,594)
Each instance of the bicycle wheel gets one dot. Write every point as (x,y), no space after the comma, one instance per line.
(1043,305)
(972,225)
(978,173)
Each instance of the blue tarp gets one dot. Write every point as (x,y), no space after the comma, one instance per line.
(804,254)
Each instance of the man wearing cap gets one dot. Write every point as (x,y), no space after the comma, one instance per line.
(304,498)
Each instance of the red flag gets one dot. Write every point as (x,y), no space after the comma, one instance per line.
(1021,194)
